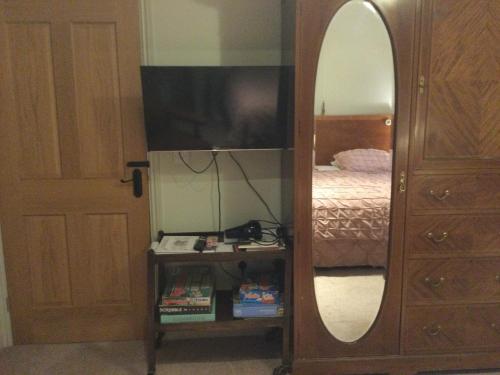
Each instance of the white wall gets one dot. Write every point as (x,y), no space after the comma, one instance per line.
(184,201)
(211,32)
(356,69)
(288,14)
(5,329)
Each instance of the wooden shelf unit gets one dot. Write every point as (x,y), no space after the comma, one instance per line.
(224,310)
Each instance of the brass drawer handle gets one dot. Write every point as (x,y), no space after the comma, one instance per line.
(433,331)
(442,238)
(434,284)
(497,277)
(442,197)
(495,327)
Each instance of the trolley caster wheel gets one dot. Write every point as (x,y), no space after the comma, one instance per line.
(281,370)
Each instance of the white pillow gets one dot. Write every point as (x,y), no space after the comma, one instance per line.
(364,160)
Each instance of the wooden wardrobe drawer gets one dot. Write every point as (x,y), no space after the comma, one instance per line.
(452,329)
(456,191)
(439,235)
(453,281)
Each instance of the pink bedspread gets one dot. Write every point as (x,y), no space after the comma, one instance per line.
(351,212)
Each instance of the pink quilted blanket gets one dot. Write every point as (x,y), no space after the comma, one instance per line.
(351,212)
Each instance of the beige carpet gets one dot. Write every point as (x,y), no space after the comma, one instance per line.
(218,356)
(349,300)
(222,356)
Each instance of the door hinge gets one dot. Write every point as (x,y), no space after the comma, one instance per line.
(402,182)
(421,84)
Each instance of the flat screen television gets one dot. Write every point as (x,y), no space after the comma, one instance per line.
(209,108)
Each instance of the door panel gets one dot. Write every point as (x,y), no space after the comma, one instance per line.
(48,260)
(98,99)
(458,108)
(110,262)
(75,237)
(32,69)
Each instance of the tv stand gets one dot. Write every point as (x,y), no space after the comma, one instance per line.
(224,318)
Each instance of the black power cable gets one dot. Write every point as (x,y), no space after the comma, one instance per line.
(194,170)
(214,156)
(215,162)
(212,162)
(276,221)
(229,273)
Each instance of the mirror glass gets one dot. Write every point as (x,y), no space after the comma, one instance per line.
(353,158)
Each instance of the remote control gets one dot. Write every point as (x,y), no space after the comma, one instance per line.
(200,244)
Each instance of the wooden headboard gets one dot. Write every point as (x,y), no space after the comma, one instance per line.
(341,133)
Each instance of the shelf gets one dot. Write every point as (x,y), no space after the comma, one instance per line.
(224,320)
(221,257)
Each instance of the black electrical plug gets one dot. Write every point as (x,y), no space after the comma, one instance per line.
(243,268)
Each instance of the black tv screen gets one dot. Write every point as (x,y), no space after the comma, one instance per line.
(207,108)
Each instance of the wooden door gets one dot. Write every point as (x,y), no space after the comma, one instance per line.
(458,112)
(70,115)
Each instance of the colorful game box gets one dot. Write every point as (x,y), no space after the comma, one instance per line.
(260,289)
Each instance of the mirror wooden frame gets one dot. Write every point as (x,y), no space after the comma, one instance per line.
(313,343)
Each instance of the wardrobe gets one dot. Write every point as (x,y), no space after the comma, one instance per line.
(440,307)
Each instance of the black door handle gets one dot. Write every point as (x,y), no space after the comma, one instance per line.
(138,164)
(137,182)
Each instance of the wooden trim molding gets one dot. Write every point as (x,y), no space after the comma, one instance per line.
(5,326)
(397,365)
(145,12)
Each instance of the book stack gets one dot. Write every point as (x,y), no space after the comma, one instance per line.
(189,296)
(258,297)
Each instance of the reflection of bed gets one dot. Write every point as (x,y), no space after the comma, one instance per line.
(350,209)
(350,218)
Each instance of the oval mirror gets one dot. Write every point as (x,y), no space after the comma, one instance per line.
(354,127)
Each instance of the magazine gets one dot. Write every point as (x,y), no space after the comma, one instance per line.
(176,245)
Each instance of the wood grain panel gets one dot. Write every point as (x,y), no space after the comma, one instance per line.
(452,329)
(460,115)
(32,70)
(68,281)
(453,235)
(453,281)
(48,260)
(109,257)
(98,99)
(334,134)
(455,191)
(84,324)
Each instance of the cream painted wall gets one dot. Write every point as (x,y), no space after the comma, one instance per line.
(5,328)
(184,201)
(211,32)
(288,10)
(356,69)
